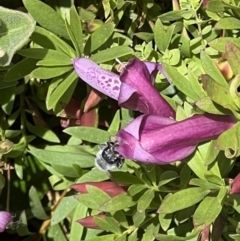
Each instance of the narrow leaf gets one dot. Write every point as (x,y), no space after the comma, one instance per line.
(211,69)
(36,205)
(98,38)
(49,72)
(180,81)
(46,17)
(117,203)
(182,199)
(90,134)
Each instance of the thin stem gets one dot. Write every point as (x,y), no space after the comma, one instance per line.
(23,129)
(175,5)
(8,187)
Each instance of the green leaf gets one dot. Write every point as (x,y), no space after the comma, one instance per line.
(174,15)
(23,230)
(36,205)
(51,88)
(76,229)
(46,17)
(61,154)
(234,90)
(212,153)
(183,199)
(6,85)
(215,6)
(167,237)
(20,69)
(151,230)
(207,211)
(74,171)
(111,53)
(184,176)
(114,127)
(108,224)
(125,178)
(15,29)
(98,38)
(138,218)
(38,53)
(18,166)
(94,176)
(147,37)
(229,141)
(56,233)
(185,47)
(50,72)
(169,35)
(17,150)
(133,236)
(90,134)
(94,199)
(49,40)
(76,28)
(109,237)
(167,177)
(233,57)
(43,132)
(204,184)
(65,206)
(228,23)
(145,200)
(207,105)
(165,220)
(117,203)
(217,92)
(66,85)
(180,81)
(211,69)
(220,43)
(160,35)
(7,95)
(53,62)
(136,188)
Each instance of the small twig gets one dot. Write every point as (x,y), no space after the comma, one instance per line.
(8,186)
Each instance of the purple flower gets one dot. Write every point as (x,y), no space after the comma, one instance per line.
(160,140)
(154,137)
(5,219)
(133,88)
(138,93)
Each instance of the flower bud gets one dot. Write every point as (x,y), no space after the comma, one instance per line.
(225,69)
(89,221)
(94,25)
(111,188)
(235,189)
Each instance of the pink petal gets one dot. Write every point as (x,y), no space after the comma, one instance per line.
(5,219)
(89,221)
(235,189)
(160,140)
(138,93)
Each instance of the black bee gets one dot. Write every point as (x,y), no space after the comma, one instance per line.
(107,158)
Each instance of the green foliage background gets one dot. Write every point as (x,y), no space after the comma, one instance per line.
(186,200)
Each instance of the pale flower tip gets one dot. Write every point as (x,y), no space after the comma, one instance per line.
(102,80)
(5,219)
